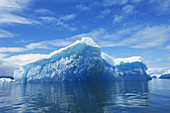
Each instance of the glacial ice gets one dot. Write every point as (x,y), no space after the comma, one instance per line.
(165,75)
(82,61)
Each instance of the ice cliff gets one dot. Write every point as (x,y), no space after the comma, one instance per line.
(82,61)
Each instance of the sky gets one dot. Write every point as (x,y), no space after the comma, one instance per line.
(30,29)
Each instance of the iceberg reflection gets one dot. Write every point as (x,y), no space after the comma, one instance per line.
(81,97)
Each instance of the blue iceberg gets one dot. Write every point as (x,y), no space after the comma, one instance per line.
(82,61)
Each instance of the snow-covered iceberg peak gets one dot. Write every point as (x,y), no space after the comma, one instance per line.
(81,61)
(85,40)
(117,61)
(89,41)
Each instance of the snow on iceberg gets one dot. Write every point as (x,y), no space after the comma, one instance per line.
(6,80)
(82,61)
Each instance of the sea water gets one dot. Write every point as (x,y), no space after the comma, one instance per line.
(108,97)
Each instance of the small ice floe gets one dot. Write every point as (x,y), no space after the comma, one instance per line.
(6,80)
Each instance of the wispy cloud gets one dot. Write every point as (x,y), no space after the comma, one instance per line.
(105,12)
(128,8)
(114,2)
(82,7)
(167,47)
(158,64)
(48,44)
(67,17)
(6,34)
(11,49)
(22,59)
(2,56)
(118,18)
(38,45)
(9,64)
(157,70)
(44,11)
(161,6)
(14,5)
(9,11)
(154,36)
(49,19)
(136,1)
(60,21)
(11,18)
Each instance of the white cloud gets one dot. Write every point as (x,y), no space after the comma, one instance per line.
(167,47)
(118,18)
(67,17)
(14,5)
(9,64)
(61,21)
(23,59)
(115,2)
(157,70)
(47,44)
(6,34)
(128,8)
(44,11)
(3,55)
(154,36)
(39,45)
(105,12)
(136,1)
(49,19)
(161,6)
(83,8)
(11,49)
(9,11)
(167,71)
(11,18)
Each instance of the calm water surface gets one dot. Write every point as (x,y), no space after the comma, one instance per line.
(113,97)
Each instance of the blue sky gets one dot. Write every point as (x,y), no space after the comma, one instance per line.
(123,28)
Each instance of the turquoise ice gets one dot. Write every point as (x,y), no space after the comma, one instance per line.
(82,61)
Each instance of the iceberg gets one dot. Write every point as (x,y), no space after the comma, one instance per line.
(165,75)
(82,61)
(155,76)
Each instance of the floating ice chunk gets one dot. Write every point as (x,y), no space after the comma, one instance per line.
(6,80)
(155,75)
(165,75)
